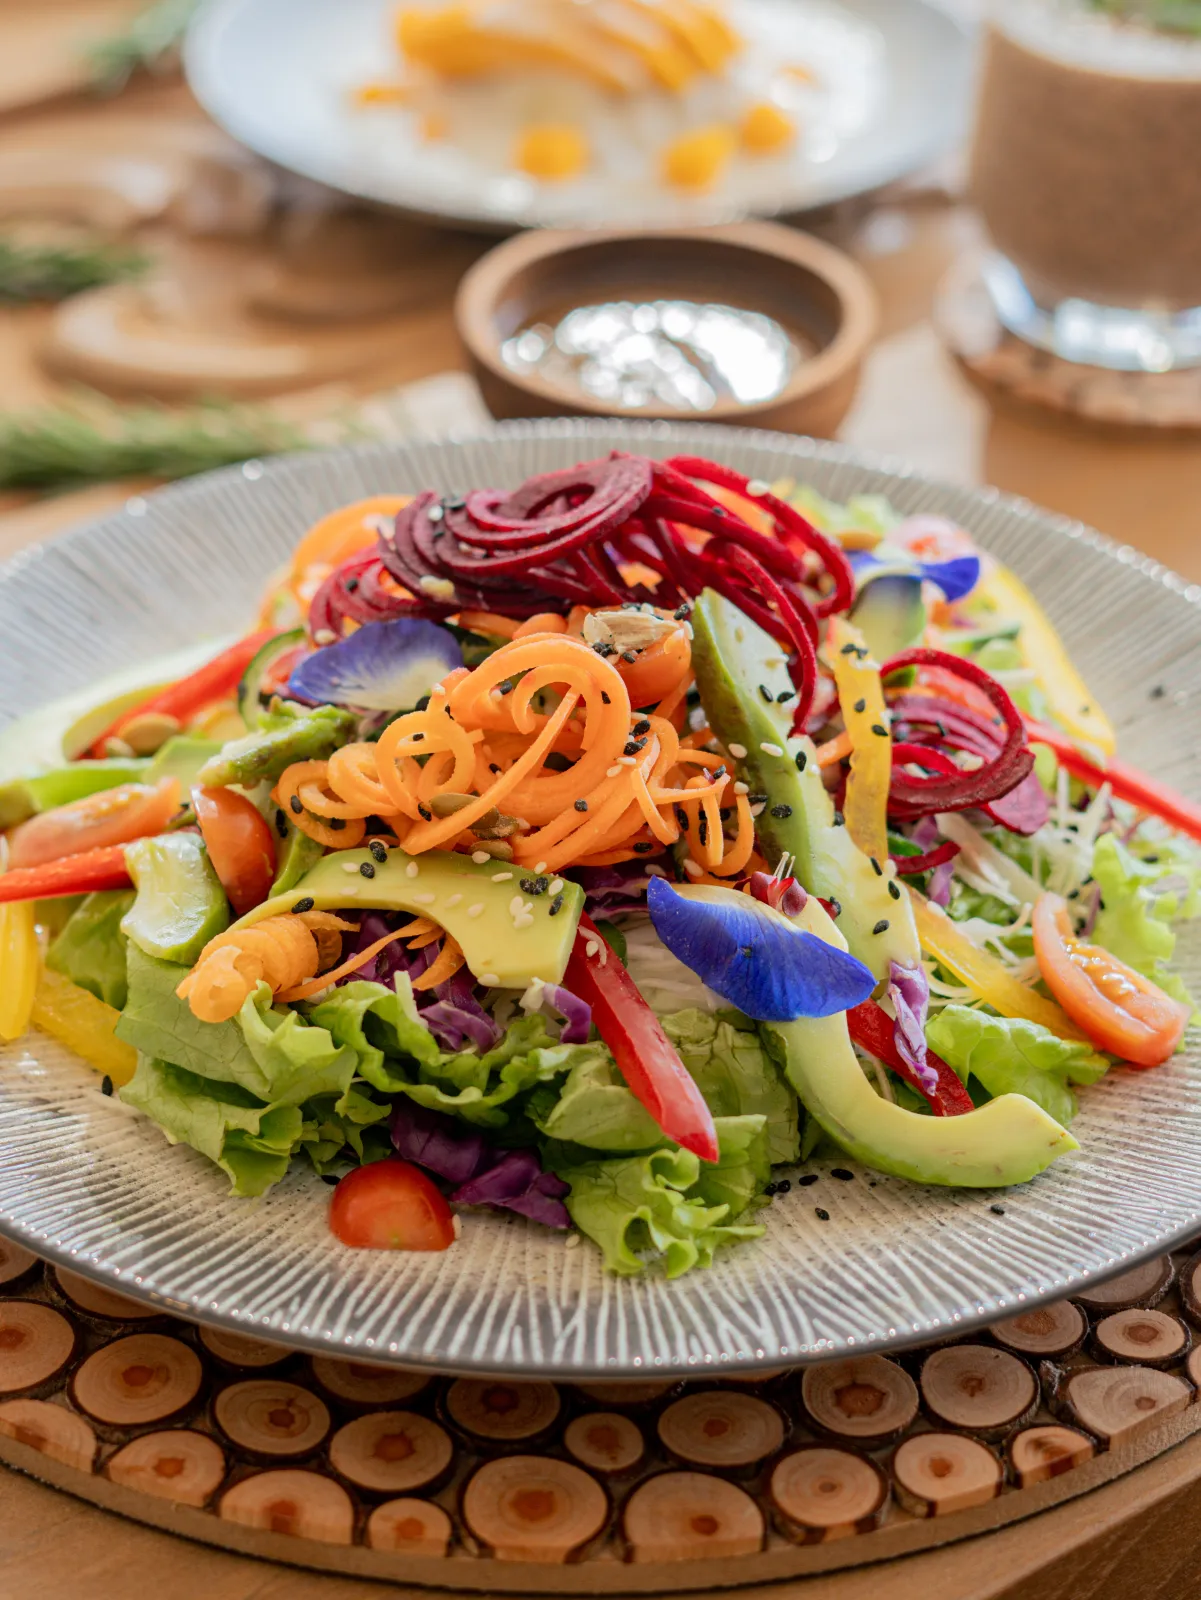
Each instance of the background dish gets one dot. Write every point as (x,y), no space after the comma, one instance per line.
(83,1183)
(279,75)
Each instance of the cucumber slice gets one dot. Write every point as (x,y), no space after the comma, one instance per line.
(180,903)
(250,701)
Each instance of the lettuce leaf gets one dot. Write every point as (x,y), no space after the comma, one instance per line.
(1008,1055)
(158,1023)
(653,1203)
(594,1108)
(90,950)
(1134,923)
(736,1076)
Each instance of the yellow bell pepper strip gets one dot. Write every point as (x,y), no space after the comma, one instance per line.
(861,696)
(19,962)
(987,977)
(1068,696)
(84,1024)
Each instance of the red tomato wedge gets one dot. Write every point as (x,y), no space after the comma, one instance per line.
(390,1205)
(646,1057)
(114,816)
(240,844)
(1119,1009)
(94,869)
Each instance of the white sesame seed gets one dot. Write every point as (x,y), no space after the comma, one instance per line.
(555,886)
(524,921)
(516,906)
(324,636)
(757,487)
(453,901)
(501,877)
(349,866)
(693,871)
(613,772)
(412,870)
(738,751)
(573,1241)
(540,866)
(627,761)
(425,899)
(490,979)
(477,910)
(741,788)
(456,1223)
(771,749)
(480,857)
(757,811)
(592,947)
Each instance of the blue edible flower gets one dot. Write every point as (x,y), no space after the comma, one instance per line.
(383,666)
(955,578)
(753,956)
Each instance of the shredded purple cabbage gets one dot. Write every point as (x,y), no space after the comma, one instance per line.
(455,1017)
(510,1180)
(394,958)
(576,1013)
(518,1183)
(614,889)
(437,1143)
(909,991)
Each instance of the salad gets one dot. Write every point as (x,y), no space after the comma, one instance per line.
(597,851)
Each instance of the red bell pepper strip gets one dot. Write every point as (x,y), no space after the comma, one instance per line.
(216,680)
(1127,783)
(874,1029)
(646,1057)
(91,869)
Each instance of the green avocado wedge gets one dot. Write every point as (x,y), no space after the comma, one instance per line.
(1007,1141)
(484,907)
(732,656)
(180,903)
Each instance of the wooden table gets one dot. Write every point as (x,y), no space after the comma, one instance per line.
(1135,1538)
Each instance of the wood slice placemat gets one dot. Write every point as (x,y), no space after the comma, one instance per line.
(619,1487)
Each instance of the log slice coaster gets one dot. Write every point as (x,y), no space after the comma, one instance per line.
(175,1464)
(97,1300)
(627,1394)
(304,1505)
(270,1418)
(361,1383)
(1117,1403)
(392,1452)
(1037,1454)
(940,1473)
(689,1516)
(240,1351)
(50,1429)
(1057,1330)
(503,1412)
(410,1527)
(1144,1285)
(533,1508)
(1146,1338)
(820,1493)
(1190,1289)
(141,1379)
(604,1442)
(16,1264)
(979,1389)
(36,1344)
(868,1399)
(722,1429)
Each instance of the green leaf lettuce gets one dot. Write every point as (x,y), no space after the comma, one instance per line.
(1008,1055)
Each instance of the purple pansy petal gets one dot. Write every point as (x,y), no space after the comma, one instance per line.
(383,666)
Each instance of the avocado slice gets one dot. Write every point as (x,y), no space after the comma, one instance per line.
(450,888)
(21,798)
(1007,1141)
(890,614)
(180,903)
(182,757)
(732,657)
(297,855)
(292,733)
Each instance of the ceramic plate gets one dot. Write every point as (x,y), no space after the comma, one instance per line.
(85,1182)
(280,75)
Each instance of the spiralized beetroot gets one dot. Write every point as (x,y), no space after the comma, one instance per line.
(586,536)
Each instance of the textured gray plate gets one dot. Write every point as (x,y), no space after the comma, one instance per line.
(84,1182)
(279,75)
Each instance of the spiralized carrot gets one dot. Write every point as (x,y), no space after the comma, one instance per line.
(619,783)
(282,952)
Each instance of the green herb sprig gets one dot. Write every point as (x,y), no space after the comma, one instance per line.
(1168,16)
(148,44)
(30,272)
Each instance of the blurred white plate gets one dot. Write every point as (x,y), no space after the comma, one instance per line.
(890,91)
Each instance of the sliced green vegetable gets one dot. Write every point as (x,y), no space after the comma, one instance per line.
(182,757)
(252,705)
(26,797)
(737,1077)
(292,735)
(180,903)
(1008,1055)
(297,855)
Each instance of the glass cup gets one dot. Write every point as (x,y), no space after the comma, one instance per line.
(1086,166)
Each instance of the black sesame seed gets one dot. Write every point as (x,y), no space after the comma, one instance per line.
(718,772)
(295,804)
(860,705)
(605,701)
(718,511)
(682,612)
(682,819)
(306,904)
(848,650)
(629,656)
(633,746)
(581,805)
(702,831)
(530,886)
(507,686)
(836,909)
(758,798)
(810,1177)
(456,502)
(894,891)
(281,823)
(1158,692)
(556,904)
(781,811)
(768,696)
(328,1177)
(784,696)
(417,737)
(351,585)
(106,1084)
(769,1189)
(379,850)
(997,1211)
(643,725)
(881,926)
(336,823)
(876,867)
(493,767)
(783,1186)
(802,761)
(643,849)
(821,1214)
(425,813)
(367,870)
(879,730)
(842,1175)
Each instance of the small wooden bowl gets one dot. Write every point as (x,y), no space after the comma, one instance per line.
(817,294)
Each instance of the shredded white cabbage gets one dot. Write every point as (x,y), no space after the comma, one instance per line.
(666,984)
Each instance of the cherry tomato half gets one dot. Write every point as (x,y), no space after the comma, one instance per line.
(1119,1009)
(240,844)
(390,1205)
(111,817)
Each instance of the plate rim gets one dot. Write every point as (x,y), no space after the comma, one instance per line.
(224,109)
(800,449)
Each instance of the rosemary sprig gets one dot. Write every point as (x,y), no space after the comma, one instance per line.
(148,44)
(1169,16)
(54,271)
(91,440)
